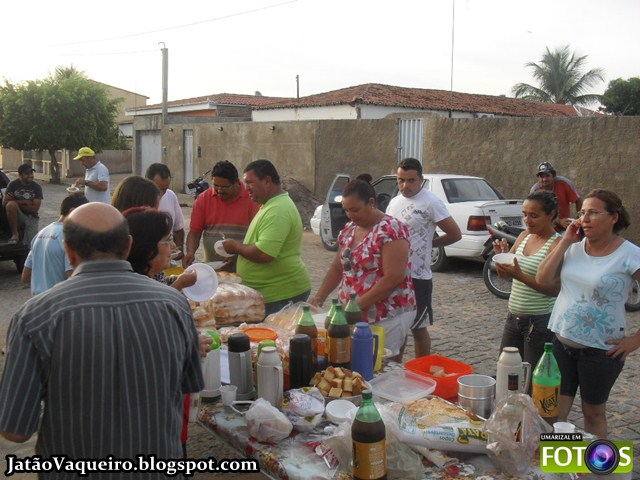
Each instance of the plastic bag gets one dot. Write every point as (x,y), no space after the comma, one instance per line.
(514,433)
(266,423)
(402,462)
(303,407)
(287,317)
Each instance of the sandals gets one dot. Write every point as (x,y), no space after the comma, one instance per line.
(12,241)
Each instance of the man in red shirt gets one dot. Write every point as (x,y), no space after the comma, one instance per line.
(564,190)
(223,211)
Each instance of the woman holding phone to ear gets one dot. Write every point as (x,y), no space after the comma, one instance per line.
(595,267)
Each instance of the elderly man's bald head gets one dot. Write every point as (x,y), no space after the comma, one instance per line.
(97,231)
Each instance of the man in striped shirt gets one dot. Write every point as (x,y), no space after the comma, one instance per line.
(108,351)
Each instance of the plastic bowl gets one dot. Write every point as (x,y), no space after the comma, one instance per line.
(447,387)
(340,410)
(504,258)
(206,283)
(257,334)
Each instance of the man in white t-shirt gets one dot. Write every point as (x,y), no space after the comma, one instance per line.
(422,212)
(96,177)
(160,174)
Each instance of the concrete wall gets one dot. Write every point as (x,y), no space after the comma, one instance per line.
(592,152)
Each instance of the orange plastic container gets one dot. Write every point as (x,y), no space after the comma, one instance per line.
(447,387)
(257,334)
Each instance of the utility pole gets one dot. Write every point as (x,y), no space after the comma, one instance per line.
(165,80)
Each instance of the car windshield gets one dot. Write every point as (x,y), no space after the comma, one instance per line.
(469,190)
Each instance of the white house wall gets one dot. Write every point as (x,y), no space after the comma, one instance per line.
(339,112)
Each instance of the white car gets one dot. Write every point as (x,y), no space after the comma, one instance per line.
(472,202)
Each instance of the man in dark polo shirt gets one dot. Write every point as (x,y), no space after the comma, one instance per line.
(110,353)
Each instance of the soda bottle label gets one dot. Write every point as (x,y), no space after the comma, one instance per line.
(369,460)
(546,399)
(339,350)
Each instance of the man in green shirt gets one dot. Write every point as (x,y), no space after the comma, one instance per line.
(269,256)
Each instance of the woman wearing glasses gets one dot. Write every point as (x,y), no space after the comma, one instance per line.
(373,262)
(152,246)
(595,267)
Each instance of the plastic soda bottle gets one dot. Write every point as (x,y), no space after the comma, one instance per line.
(330,313)
(339,340)
(546,385)
(368,442)
(307,326)
(352,312)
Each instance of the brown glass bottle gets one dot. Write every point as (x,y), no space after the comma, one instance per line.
(368,442)
(339,340)
(352,312)
(307,326)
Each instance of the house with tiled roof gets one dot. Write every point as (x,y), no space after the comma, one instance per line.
(220,105)
(374,100)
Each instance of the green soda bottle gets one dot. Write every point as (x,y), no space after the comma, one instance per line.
(546,385)
(339,340)
(330,313)
(368,442)
(307,326)
(352,312)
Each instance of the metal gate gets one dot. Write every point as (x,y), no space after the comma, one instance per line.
(410,138)
(150,142)
(187,148)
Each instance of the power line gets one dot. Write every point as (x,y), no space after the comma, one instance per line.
(177,26)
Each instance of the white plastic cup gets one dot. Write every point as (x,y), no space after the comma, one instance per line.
(228,394)
(564,427)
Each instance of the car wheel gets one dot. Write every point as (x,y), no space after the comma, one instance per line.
(500,287)
(328,243)
(439,259)
(19,261)
(633,302)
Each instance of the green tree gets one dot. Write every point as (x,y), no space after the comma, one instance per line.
(622,97)
(561,79)
(66,110)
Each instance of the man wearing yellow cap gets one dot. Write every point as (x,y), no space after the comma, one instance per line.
(96,178)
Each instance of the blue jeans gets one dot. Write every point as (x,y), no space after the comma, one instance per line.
(529,333)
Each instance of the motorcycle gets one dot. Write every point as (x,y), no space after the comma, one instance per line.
(198,185)
(501,287)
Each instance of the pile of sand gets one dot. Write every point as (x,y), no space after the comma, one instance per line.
(302,197)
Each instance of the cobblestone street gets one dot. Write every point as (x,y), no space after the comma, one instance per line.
(468,326)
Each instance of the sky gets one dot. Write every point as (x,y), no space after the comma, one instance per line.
(244,46)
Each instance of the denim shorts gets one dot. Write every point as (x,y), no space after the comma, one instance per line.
(591,369)
(528,333)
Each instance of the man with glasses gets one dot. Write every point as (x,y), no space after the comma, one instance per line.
(221,212)
(422,212)
(564,190)
(160,174)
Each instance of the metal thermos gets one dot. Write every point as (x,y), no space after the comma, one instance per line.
(270,376)
(301,367)
(240,370)
(513,375)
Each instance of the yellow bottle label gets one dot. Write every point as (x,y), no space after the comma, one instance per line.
(546,399)
(339,350)
(369,460)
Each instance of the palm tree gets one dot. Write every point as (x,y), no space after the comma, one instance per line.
(560,79)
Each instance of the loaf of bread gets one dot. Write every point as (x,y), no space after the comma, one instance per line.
(228,277)
(234,303)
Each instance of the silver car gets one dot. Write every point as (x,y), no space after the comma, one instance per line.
(472,202)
